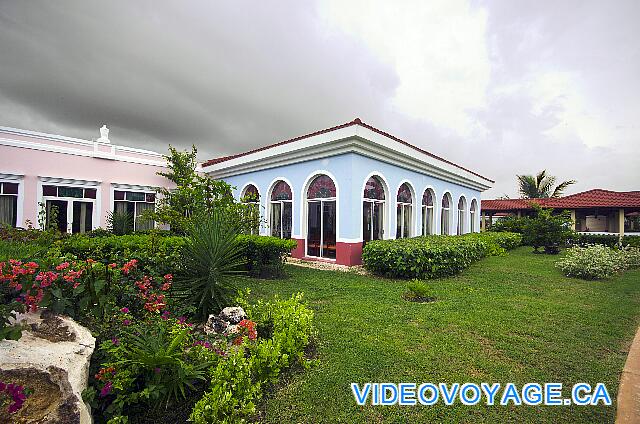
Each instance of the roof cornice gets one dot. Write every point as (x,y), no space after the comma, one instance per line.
(359,140)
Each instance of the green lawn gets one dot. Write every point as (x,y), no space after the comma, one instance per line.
(506,319)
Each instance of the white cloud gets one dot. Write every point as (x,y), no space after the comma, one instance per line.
(438,50)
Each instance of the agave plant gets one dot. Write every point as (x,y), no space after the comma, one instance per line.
(212,259)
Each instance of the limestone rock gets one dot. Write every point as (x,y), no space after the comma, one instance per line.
(51,358)
(215,325)
(233,314)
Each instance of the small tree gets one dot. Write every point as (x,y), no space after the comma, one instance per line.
(548,230)
(194,195)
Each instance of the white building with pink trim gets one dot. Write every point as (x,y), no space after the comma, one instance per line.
(83,179)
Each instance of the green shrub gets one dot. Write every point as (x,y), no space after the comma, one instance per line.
(433,256)
(156,252)
(21,250)
(594,262)
(151,362)
(266,256)
(609,240)
(418,291)
(631,256)
(237,381)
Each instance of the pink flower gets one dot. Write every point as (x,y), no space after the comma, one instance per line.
(124,310)
(106,389)
(165,315)
(112,266)
(126,322)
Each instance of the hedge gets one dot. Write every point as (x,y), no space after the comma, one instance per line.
(157,251)
(433,256)
(266,255)
(604,239)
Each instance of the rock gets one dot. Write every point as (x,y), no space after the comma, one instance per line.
(233,314)
(52,359)
(215,325)
(233,329)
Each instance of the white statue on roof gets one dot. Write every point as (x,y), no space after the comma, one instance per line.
(104,135)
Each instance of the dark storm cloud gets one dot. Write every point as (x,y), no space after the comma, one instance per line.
(225,76)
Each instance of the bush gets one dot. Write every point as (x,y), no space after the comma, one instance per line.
(266,256)
(418,291)
(156,252)
(609,240)
(432,256)
(237,381)
(152,362)
(596,262)
(545,229)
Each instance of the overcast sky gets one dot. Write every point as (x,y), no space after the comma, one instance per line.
(503,87)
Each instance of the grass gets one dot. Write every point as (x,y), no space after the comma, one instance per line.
(514,318)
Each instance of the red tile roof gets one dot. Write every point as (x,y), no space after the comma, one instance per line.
(356,121)
(596,198)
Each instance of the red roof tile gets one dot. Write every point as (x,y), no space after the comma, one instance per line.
(356,121)
(596,198)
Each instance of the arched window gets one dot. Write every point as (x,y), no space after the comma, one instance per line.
(373,210)
(462,209)
(474,206)
(281,212)
(427,212)
(251,197)
(404,211)
(445,214)
(321,218)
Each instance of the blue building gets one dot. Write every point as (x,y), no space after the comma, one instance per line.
(336,189)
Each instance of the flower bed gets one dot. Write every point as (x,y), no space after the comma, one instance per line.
(150,355)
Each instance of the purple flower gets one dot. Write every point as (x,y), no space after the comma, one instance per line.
(182,320)
(124,310)
(157,370)
(106,389)
(115,341)
(165,315)
(126,322)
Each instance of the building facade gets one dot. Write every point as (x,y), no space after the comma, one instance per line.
(336,189)
(593,211)
(81,180)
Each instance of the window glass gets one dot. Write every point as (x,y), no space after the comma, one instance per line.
(321,187)
(281,191)
(374,189)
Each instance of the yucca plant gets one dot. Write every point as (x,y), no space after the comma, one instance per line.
(212,259)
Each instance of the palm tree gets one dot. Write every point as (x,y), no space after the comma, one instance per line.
(541,186)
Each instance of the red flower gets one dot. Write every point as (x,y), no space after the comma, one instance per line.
(63,265)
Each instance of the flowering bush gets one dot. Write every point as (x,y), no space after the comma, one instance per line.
(13,394)
(594,262)
(88,291)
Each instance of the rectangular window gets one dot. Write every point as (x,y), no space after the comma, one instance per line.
(9,204)
(135,203)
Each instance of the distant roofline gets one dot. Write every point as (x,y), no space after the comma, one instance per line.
(72,140)
(568,202)
(356,121)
